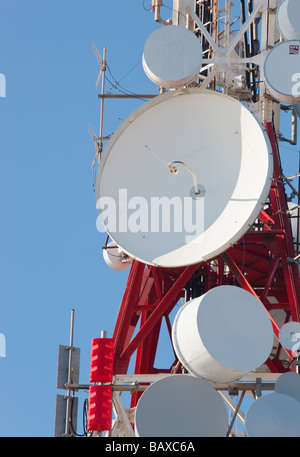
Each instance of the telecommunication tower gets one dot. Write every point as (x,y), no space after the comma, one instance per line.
(211,138)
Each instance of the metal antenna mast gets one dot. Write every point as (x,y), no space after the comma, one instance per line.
(101,77)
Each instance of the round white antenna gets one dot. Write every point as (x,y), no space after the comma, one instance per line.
(281,70)
(223,349)
(287,17)
(113,256)
(273,415)
(289,336)
(289,384)
(181,405)
(145,190)
(172,56)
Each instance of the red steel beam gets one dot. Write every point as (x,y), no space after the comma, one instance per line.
(263,254)
(127,317)
(170,296)
(239,276)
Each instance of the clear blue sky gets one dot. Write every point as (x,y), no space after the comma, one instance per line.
(51,253)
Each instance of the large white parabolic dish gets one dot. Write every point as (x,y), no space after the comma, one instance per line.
(288,19)
(181,405)
(282,72)
(149,212)
(274,415)
(289,384)
(223,334)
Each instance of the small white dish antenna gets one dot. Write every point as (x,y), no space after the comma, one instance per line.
(289,384)
(223,334)
(289,336)
(288,19)
(114,257)
(183,178)
(181,405)
(273,415)
(172,56)
(282,72)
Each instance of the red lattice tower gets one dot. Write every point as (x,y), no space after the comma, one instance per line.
(261,262)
